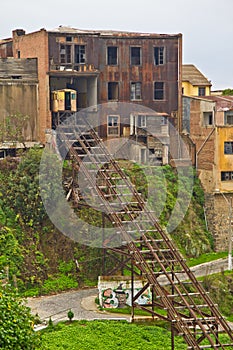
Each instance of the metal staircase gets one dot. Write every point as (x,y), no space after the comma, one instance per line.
(177,296)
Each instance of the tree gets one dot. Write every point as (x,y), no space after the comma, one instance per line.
(227,92)
(16,322)
(12,128)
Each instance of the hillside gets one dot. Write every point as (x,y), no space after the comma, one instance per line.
(41,260)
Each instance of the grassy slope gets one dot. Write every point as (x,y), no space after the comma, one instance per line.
(105,335)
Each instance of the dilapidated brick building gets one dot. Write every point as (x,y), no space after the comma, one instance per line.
(100,67)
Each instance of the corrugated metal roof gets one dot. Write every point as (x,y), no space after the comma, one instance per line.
(191,74)
(69,30)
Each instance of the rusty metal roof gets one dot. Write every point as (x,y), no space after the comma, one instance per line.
(69,30)
(191,74)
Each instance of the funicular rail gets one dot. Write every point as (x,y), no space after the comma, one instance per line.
(189,309)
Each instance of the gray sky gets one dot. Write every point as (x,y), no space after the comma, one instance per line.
(206,25)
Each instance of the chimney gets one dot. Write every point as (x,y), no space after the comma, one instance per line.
(18,32)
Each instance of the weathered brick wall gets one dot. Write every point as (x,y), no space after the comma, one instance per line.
(30,46)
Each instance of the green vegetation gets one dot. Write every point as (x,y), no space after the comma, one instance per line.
(220,287)
(206,258)
(42,260)
(16,322)
(104,335)
(227,92)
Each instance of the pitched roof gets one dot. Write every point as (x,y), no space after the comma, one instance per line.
(191,74)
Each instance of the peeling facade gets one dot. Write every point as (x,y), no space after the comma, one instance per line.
(19,95)
(103,66)
(209,123)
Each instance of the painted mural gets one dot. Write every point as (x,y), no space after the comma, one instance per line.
(120,297)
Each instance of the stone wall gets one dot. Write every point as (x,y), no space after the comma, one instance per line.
(217,215)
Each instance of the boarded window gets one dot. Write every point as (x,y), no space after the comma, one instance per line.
(113,125)
(136,91)
(80,54)
(158,91)
(113,91)
(112,55)
(159,57)
(135,56)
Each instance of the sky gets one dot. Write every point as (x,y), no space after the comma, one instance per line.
(206,25)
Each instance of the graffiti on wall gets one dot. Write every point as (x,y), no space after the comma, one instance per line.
(120,297)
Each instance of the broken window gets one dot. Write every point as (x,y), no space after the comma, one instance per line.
(136,91)
(159,57)
(228,147)
(135,56)
(158,91)
(226,175)
(112,55)
(80,54)
(113,91)
(65,54)
(113,125)
(201,91)
(207,118)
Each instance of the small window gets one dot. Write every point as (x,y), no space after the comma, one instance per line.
(159,57)
(112,55)
(113,125)
(229,119)
(163,121)
(113,91)
(201,91)
(18,54)
(228,147)
(136,91)
(207,118)
(158,91)
(69,38)
(142,121)
(226,175)
(80,54)
(135,56)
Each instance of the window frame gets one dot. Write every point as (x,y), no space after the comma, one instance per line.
(134,83)
(161,60)
(226,147)
(226,175)
(159,91)
(63,56)
(116,83)
(112,127)
(201,88)
(142,121)
(108,56)
(79,54)
(208,115)
(134,57)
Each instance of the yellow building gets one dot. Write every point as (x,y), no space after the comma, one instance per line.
(194,83)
